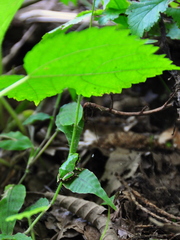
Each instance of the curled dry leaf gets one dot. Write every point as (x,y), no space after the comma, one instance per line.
(89,211)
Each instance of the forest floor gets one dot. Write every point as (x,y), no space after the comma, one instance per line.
(136,159)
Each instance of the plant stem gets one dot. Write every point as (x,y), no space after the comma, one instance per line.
(2,120)
(44,148)
(56,193)
(32,232)
(92,15)
(42,213)
(53,116)
(107,225)
(72,150)
(5,162)
(13,114)
(73,145)
(34,156)
(44,145)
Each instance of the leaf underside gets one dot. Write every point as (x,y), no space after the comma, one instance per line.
(93,62)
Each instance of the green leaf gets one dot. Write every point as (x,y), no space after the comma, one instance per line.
(12,201)
(173,31)
(175,13)
(36,117)
(144,14)
(105,2)
(112,199)
(39,206)
(118,4)
(42,202)
(175,4)
(7,11)
(68,130)
(93,62)
(81,16)
(67,114)
(21,236)
(18,236)
(16,141)
(26,214)
(113,9)
(87,182)
(122,22)
(109,14)
(73,94)
(76,20)
(65,120)
(69,1)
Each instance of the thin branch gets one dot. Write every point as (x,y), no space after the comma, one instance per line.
(140,113)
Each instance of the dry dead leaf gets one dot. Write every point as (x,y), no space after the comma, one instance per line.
(89,211)
(121,161)
(62,222)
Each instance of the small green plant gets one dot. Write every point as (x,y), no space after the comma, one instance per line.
(92,62)
(10,204)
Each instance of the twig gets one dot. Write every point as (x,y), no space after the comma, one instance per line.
(142,112)
(150,204)
(132,195)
